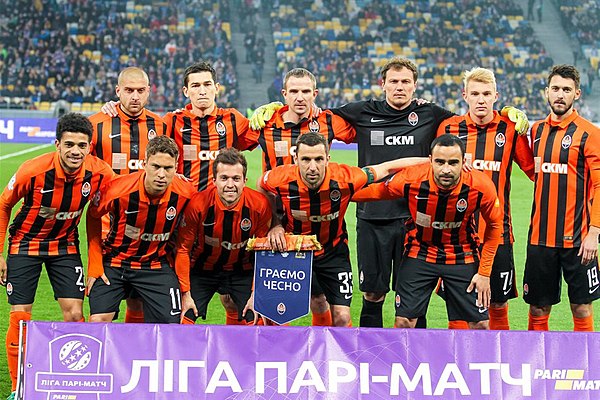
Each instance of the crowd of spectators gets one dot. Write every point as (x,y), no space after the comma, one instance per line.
(345,43)
(74,49)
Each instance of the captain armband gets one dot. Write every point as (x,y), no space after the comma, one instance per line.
(370,174)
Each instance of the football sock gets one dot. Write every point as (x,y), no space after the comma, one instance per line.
(584,324)
(187,321)
(421,322)
(499,318)
(12,343)
(538,323)
(231,318)
(322,319)
(458,324)
(134,317)
(371,315)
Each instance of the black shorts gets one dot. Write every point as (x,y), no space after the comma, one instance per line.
(542,279)
(205,284)
(379,249)
(158,289)
(417,279)
(65,274)
(333,275)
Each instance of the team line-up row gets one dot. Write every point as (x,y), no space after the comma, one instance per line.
(168,236)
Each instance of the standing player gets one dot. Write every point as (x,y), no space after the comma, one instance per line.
(315,195)
(55,188)
(491,146)
(441,241)
(121,140)
(565,223)
(145,208)
(279,134)
(217,225)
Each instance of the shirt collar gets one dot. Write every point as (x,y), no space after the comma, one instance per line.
(60,171)
(564,123)
(490,124)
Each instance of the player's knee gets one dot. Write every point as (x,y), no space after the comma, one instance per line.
(374,297)
(581,310)
(72,315)
(341,318)
(482,325)
(539,311)
(100,318)
(402,322)
(318,304)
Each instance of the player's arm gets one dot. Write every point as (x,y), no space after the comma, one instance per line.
(247,138)
(187,233)
(276,234)
(5,210)
(589,244)
(263,114)
(387,168)
(524,156)
(99,206)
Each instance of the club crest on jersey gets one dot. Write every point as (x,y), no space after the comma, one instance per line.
(566,142)
(413,119)
(151,134)
(281,308)
(86,189)
(461,205)
(313,126)
(171,213)
(246,224)
(500,139)
(335,195)
(221,128)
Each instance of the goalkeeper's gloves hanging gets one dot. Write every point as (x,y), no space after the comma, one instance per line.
(263,114)
(518,117)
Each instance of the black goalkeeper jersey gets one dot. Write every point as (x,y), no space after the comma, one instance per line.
(384,133)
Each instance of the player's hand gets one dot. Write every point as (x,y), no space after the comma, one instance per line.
(277,239)
(110,108)
(316,110)
(467,167)
(482,285)
(589,246)
(187,303)
(91,280)
(518,117)
(249,308)
(420,101)
(3,271)
(262,114)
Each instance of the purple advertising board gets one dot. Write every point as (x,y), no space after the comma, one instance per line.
(27,130)
(147,361)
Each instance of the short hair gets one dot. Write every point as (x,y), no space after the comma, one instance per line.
(195,68)
(230,156)
(74,122)
(479,74)
(312,139)
(448,140)
(566,71)
(132,71)
(299,73)
(398,63)
(162,144)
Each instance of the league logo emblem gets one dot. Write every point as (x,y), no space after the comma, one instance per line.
(86,188)
(221,128)
(335,195)
(246,224)
(151,134)
(461,205)
(500,139)
(313,126)
(566,142)
(171,213)
(413,119)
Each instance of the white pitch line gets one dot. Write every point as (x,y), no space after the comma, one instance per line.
(18,153)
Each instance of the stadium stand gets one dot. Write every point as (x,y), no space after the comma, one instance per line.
(73,50)
(346,42)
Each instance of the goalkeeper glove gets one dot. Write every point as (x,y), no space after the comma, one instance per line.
(262,114)
(518,117)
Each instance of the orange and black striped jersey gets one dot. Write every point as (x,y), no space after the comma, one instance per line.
(316,212)
(141,229)
(567,172)
(46,223)
(121,141)
(213,236)
(200,139)
(442,226)
(492,148)
(277,139)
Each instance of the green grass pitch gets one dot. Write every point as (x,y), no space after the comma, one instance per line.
(45,308)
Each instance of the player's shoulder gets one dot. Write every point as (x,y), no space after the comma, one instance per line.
(281,174)
(345,172)
(96,164)
(230,111)
(123,185)
(412,174)
(588,126)
(253,197)
(37,165)
(453,121)
(479,180)
(99,117)
(153,115)
(183,186)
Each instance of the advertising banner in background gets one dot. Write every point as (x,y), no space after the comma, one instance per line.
(27,130)
(147,361)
